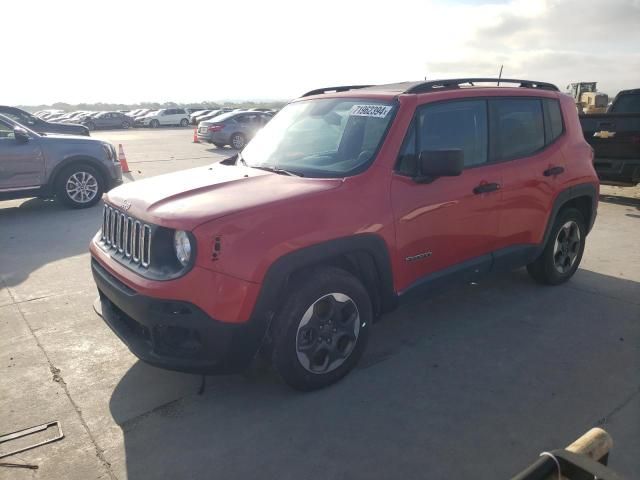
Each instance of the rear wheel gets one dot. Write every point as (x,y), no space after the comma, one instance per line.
(562,253)
(238,141)
(79,186)
(322,330)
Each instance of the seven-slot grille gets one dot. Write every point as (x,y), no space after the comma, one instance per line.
(126,236)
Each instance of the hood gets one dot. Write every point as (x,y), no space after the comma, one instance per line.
(191,197)
(69,139)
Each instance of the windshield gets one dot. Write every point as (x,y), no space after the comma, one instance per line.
(321,138)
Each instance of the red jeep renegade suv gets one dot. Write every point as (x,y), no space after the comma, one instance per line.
(350,199)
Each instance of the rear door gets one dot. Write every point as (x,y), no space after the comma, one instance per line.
(164,118)
(526,136)
(21,164)
(180,113)
(448,225)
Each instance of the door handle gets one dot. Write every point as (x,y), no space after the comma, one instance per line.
(553,171)
(486,188)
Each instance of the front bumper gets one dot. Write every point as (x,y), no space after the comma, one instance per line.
(175,335)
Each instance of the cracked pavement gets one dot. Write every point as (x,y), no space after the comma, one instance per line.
(504,365)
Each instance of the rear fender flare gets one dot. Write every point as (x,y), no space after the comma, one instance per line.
(581,190)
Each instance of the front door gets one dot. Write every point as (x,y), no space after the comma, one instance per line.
(21,164)
(451,223)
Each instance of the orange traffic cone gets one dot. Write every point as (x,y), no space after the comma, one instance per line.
(195,135)
(123,159)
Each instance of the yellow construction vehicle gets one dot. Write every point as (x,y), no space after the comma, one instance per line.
(587,98)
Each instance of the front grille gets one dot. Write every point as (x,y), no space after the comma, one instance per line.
(126,236)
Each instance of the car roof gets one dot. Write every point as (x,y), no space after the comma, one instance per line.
(391,90)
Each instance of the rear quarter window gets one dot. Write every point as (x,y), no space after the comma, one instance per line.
(553,124)
(516,128)
(627,103)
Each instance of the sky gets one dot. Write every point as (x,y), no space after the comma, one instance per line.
(192,50)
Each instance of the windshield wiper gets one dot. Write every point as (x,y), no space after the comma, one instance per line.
(280,171)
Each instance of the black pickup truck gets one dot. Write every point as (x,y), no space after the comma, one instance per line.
(615,137)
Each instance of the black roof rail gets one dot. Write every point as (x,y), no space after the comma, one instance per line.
(344,88)
(457,82)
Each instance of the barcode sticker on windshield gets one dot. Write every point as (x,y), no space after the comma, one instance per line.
(378,111)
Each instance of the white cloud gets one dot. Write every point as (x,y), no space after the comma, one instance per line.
(129,51)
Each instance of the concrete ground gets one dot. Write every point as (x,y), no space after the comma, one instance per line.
(471,383)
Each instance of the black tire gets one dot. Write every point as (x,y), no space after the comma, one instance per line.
(91,126)
(219,145)
(184,122)
(553,268)
(67,175)
(345,346)
(154,123)
(238,141)
(125,125)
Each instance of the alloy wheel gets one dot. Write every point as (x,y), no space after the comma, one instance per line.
(566,247)
(81,187)
(327,333)
(237,142)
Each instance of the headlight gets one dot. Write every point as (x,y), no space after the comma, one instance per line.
(182,245)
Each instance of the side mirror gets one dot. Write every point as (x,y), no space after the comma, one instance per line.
(439,163)
(20,135)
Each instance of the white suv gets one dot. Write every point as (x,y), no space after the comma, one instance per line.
(166,116)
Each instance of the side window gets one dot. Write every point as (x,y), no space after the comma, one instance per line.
(455,125)
(20,118)
(517,129)
(179,111)
(627,103)
(553,126)
(6,131)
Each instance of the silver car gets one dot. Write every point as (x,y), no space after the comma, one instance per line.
(75,170)
(233,128)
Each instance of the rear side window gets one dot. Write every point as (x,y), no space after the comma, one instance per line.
(517,128)
(628,103)
(553,126)
(455,125)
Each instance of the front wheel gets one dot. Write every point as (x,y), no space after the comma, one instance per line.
(79,186)
(91,126)
(125,125)
(184,122)
(322,330)
(562,253)
(154,123)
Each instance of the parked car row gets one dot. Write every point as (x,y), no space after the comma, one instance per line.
(141,117)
